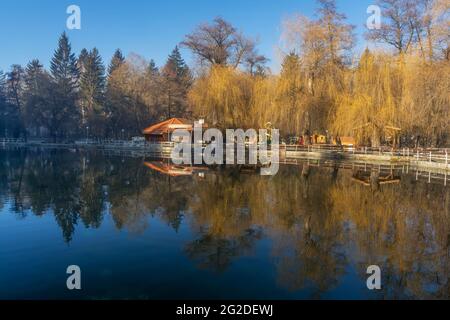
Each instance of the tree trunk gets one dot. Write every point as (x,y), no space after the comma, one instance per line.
(375,138)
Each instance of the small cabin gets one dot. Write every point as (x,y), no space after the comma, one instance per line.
(162,132)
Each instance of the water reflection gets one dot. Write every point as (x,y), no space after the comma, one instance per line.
(320,221)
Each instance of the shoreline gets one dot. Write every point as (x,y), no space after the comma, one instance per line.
(163,150)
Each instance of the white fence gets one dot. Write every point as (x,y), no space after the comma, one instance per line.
(11,141)
(437,156)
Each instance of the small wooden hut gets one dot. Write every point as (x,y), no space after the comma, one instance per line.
(162,132)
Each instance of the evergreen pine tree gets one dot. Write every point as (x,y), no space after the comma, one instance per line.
(3,105)
(33,73)
(152,68)
(65,76)
(176,66)
(14,83)
(36,97)
(176,80)
(92,90)
(2,86)
(64,67)
(14,96)
(84,54)
(117,60)
(114,98)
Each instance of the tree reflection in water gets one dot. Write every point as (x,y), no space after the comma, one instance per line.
(319,220)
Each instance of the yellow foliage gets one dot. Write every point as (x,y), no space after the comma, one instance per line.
(222,96)
(382,91)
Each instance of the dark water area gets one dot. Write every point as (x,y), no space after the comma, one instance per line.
(143,229)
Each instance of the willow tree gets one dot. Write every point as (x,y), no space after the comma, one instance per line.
(425,101)
(369,105)
(223,96)
(324,46)
(291,91)
(264,107)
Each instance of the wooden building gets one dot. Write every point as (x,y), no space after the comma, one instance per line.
(162,132)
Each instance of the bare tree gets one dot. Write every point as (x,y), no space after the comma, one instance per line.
(414,25)
(219,43)
(431,24)
(255,63)
(338,34)
(399,27)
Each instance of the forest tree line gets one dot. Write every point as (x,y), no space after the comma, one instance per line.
(79,96)
(321,86)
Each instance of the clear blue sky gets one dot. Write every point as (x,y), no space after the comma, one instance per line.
(30,28)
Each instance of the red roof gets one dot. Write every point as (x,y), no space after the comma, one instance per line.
(171,170)
(168,126)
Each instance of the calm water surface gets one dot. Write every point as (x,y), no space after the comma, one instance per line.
(140,229)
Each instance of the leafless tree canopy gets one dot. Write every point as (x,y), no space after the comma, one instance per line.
(220,43)
(414,24)
(397,30)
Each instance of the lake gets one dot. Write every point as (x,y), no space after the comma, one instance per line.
(144,229)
